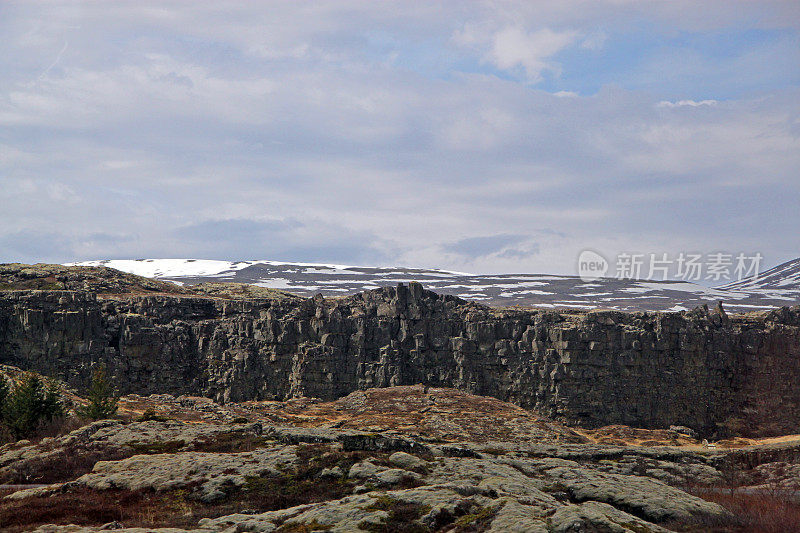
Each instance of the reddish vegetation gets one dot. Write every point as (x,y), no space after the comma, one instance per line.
(763,511)
(620,435)
(62,466)
(435,413)
(88,507)
(438,414)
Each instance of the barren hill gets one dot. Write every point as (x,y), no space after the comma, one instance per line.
(775,288)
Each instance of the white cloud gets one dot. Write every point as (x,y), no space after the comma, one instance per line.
(685,103)
(594,41)
(514,47)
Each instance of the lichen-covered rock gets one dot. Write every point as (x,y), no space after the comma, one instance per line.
(514,517)
(406,460)
(110,440)
(213,474)
(367,470)
(336,486)
(597,516)
(647,497)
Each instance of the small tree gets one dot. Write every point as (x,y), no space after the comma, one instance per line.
(103,397)
(5,433)
(3,393)
(30,403)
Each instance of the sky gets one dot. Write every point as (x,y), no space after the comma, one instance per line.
(485,137)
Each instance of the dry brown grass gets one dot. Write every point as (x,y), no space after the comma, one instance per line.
(232,442)
(620,435)
(87,507)
(56,427)
(65,465)
(438,414)
(768,510)
(175,508)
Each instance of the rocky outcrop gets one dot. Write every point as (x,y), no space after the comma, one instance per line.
(701,369)
(517,487)
(306,474)
(43,276)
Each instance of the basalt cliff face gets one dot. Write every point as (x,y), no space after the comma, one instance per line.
(701,369)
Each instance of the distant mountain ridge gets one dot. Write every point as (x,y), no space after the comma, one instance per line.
(784,277)
(779,286)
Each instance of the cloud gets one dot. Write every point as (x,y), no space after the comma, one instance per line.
(514,47)
(41,244)
(473,247)
(219,230)
(281,239)
(520,253)
(52,245)
(594,41)
(685,103)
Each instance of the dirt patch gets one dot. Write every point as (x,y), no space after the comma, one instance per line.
(435,414)
(619,435)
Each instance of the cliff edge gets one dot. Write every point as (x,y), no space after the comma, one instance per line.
(715,373)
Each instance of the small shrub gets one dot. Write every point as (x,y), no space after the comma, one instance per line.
(150,414)
(478,520)
(271,493)
(402,516)
(86,507)
(231,443)
(58,426)
(82,508)
(303,485)
(103,398)
(494,451)
(154,448)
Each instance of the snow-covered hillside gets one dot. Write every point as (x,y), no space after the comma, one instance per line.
(780,281)
(776,287)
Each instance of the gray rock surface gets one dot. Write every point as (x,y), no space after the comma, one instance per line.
(532,488)
(211,474)
(406,460)
(597,516)
(111,439)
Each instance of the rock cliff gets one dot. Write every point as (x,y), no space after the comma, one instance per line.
(700,369)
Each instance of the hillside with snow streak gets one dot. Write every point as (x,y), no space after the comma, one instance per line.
(777,287)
